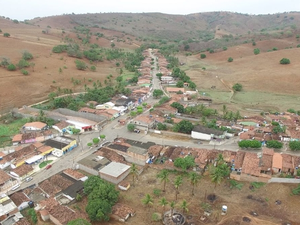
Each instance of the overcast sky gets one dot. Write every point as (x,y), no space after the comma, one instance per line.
(29,9)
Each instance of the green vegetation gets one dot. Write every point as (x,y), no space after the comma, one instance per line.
(23,64)
(178,106)
(257,185)
(185,163)
(296,191)
(157,93)
(256,51)
(220,172)
(130,127)
(45,163)
(202,56)
(285,61)
(79,222)
(274,144)
(24,72)
(184,126)
(27,55)
(80,65)
(230,59)
(6,35)
(11,67)
(294,145)
(101,197)
(249,144)
(33,217)
(237,87)
(93,68)
(235,184)
(163,175)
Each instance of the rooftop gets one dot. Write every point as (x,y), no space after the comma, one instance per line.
(38,125)
(206,130)
(110,155)
(22,170)
(75,174)
(137,150)
(4,177)
(115,169)
(277,160)
(19,197)
(251,164)
(94,161)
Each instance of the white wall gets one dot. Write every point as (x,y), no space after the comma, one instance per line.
(201,136)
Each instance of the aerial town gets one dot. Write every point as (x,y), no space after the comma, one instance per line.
(148,145)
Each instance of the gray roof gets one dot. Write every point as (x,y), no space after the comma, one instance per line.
(115,169)
(137,150)
(206,130)
(144,145)
(94,161)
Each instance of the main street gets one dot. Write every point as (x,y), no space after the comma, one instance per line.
(113,130)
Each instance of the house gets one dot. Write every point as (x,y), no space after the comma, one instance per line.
(75,174)
(34,126)
(277,163)
(251,164)
(93,164)
(166,79)
(287,164)
(4,178)
(114,172)
(7,207)
(126,102)
(22,171)
(266,160)
(107,105)
(17,139)
(16,219)
(174,90)
(143,122)
(20,199)
(65,144)
(205,133)
(63,127)
(122,212)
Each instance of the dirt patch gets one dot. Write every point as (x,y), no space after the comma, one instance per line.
(211,198)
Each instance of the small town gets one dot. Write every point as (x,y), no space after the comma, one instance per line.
(121,138)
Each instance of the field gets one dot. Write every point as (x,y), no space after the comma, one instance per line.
(242,204)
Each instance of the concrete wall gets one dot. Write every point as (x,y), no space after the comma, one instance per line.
(115,180)
(89,116)
(137,156)
(200,136)
(284,180)
(88,169)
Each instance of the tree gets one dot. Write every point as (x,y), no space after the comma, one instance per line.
(11,67)
(202,56)
(134,172)
(277,129)
(249,144)
(237,87)
(27,55)
(98,210)
(177,183)
(163,175)
(157,93)
(218,173)
(102,136)
(230,59)
(180,84)
(112,45)
(79,222)
(33,215)
(96,141)
(184,206)
(185,163)
(161,126)
(274,144)
(130,127)
(93,68)
(285,61)
(184,126)
(6,35)
(5,62)
(294,145)
(186,47)
(80,65)
(148,200)
(256,51)
(194,179)
(159,75)
(224,48)
(172,205)
(23,63)
(24,72)
(163,202)
(178,106)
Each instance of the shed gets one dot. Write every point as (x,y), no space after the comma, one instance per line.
(114,172)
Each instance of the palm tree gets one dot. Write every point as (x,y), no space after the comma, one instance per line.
(177,183)
(172,205)
(220,159)
(164,177)
(194,179)
(133,171)
(184,206)
(217,174)
(147,201)
(163,202)
(224,110)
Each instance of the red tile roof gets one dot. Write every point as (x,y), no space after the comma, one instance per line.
(251,164)
(74,174)
(4,177)
(277,160)
(38,125)
(23,170)
(19,197)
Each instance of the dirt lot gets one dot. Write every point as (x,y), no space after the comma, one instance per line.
(259,205)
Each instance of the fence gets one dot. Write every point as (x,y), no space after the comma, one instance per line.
(89,116)
(284,180)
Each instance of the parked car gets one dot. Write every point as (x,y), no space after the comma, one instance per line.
(28,179)
(48,167)
(136,130)
(15,187)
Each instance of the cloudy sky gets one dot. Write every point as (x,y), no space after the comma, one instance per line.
(28,9)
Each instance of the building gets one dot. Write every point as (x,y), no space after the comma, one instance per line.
(22,171)
(64,144)
(143,122)
(174,90)
(122,212)
(93,164)
(35,126)
(277,163)
(205,133)
(166,79)
(7,207)
(21,200)
(115,172)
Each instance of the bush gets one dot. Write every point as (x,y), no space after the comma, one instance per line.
(93,68)
(27,55)
(249,144)
(253,43)
(80,65)
(23,63)
(285,61)
(298,46)
(256,51)
(202,56)
(274,144)
(294,145)
(24,72)
(59,48)
(11,67)
(230,59)
(6,35)
(237,87)
(224,48)
(184,163)
(211,51)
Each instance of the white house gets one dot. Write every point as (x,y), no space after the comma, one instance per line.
(204,133)
(107,105)
(35,126)
(166,79)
